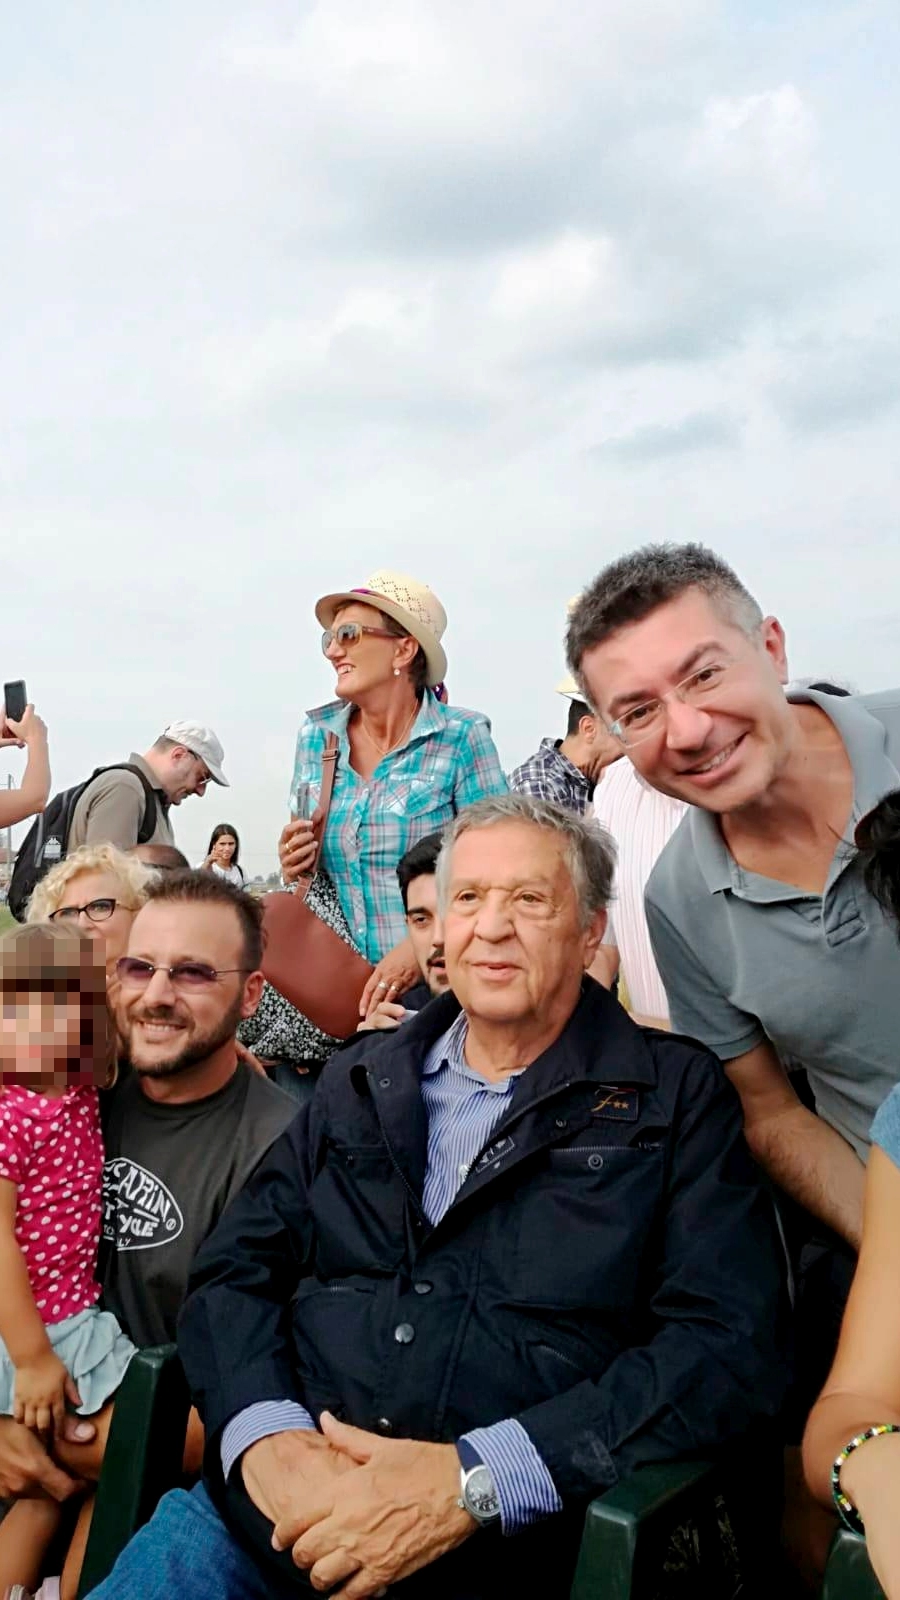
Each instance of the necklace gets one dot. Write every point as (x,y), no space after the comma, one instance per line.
(385,749)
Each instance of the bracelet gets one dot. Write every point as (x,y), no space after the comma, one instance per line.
(844,1506)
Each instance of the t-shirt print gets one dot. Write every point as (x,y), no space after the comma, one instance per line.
(139,1211)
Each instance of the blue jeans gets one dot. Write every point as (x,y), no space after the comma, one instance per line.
(186,1550)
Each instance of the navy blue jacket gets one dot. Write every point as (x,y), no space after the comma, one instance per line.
(609,1272)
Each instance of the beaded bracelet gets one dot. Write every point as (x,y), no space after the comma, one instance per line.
(845,1508)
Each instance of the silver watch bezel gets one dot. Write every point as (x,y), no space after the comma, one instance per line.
(472,1498)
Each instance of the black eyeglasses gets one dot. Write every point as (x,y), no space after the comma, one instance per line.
(136,974)
(98,911)
(351,633)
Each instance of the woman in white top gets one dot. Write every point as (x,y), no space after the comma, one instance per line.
(223,853)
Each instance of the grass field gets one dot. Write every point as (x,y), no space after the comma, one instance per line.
(7,920)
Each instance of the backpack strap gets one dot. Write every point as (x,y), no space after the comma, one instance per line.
(151,802)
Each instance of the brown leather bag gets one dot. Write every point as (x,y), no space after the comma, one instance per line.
(306,961)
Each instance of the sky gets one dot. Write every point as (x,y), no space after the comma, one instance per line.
(486,294)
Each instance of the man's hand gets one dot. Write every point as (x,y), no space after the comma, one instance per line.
(42,1388)
(26,1470)
(288,1473)
(385,1016)
(397,1512)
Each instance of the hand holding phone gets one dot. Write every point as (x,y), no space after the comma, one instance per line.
(15,700)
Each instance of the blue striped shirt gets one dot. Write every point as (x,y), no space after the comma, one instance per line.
(463,1110)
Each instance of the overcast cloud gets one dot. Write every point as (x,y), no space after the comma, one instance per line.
(486,293)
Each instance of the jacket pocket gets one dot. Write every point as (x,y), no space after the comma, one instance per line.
(359,1204)
(334,1341)
(581,1225)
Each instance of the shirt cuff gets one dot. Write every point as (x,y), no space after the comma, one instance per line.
(524,1486)
(260,1422)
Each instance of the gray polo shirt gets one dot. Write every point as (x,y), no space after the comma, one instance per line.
(745,958)
(111,810)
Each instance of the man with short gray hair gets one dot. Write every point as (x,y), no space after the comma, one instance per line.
(495,1248)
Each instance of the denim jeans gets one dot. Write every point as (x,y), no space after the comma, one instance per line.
(185,1550)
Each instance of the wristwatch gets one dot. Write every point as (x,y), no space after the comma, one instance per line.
(478,1494)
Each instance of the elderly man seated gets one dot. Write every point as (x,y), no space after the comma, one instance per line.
(514,1253)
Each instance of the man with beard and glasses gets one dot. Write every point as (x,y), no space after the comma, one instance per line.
(190,1120)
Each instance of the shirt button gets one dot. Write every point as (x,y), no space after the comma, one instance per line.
(404,1333)
(384,1083)
(384,1425)
(423,1288)
(562,1122)
(463,1170)
(595,1162)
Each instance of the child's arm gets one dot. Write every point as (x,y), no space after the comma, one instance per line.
(42,1382)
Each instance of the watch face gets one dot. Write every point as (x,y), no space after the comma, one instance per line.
(480,1494)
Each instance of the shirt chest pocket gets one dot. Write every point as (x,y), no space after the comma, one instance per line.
(582,1223)
(424,795)
(359,1207)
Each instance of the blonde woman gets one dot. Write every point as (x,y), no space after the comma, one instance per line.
(97,890)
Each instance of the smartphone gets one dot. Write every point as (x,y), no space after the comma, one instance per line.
(15,700)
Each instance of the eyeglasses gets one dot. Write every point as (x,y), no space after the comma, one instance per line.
(350,633)
(188,975)
(643,721)
(98,911)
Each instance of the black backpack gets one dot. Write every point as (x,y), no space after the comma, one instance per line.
(47,839)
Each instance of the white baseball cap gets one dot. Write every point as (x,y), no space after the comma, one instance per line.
(201,742)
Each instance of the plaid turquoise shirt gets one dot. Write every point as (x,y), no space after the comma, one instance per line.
(448,761)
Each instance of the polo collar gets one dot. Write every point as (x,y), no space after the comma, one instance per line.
(874,775)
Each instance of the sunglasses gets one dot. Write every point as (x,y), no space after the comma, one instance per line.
(186,975)
(96,910)
(350,633)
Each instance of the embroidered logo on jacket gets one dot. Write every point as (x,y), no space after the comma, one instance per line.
(617,1105)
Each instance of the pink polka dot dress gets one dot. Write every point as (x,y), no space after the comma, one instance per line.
(52,1150)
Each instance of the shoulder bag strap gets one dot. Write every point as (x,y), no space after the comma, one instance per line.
(329,769)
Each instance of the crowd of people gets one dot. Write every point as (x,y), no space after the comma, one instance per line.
(603,1174)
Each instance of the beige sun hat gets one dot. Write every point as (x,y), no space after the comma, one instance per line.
(568,686)
(412,604)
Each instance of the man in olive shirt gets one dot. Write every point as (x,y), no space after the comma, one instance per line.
(190,1121)
(127,808)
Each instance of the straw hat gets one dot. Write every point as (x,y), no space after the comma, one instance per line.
(417,609)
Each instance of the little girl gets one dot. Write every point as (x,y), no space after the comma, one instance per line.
(57,1349)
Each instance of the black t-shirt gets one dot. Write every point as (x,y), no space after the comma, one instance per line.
(170,1171)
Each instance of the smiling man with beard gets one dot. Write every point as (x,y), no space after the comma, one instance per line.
(189,1122)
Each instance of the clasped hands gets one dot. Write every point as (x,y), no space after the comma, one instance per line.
(354,1509)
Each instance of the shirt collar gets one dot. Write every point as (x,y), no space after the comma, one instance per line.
(874,775)
(334,718)
(450,1051)
(552,748)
